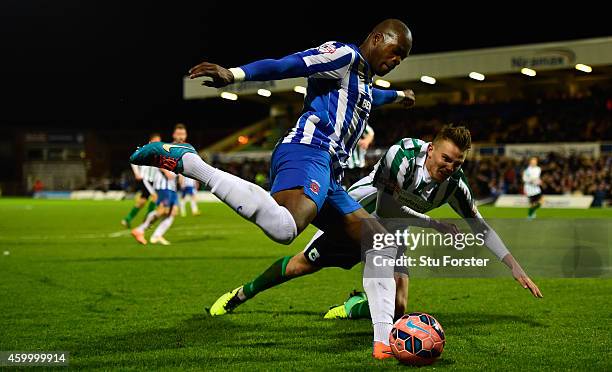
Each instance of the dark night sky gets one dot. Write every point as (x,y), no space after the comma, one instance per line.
(99,61)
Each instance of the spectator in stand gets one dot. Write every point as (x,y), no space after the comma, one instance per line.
(38,186)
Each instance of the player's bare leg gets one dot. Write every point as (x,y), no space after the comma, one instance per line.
(164,225)
(139,232)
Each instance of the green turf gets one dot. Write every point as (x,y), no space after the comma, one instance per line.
(75,281)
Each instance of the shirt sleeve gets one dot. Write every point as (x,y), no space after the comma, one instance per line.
(136,171)
(463,202)
(382,97)
(331,60)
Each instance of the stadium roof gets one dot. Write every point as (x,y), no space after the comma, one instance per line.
(588,53)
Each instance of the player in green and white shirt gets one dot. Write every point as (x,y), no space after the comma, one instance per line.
(412,178)
(531,186)
(357,157)
(144,176)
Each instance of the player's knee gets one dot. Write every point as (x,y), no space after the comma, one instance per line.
(301,208)
(278,224)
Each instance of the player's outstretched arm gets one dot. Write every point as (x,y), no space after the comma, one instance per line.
(382,97)
(463,203)
(331,60)
(220,76)
(136,172)
(519,274)
(497,247)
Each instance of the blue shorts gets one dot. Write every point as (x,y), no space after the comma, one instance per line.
(188,191)
(295,165)
(167,198)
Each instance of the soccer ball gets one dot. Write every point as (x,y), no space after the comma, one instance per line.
(417,339)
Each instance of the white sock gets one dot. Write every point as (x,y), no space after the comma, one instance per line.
(382,331)
(163,227)
(247,199)
(379,285)
(151,217)
(182,206)
(241,295)
(194,205)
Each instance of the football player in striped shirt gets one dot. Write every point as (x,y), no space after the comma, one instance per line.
(307,163)
(165,184)
(412,178)
(531,186)
(357,158)
(189,189)
(167,209)
(144,189)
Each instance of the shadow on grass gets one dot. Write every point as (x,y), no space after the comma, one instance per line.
(475,320)
(170,258)
(254,336)
(197,239)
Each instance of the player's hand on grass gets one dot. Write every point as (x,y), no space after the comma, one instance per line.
(154,197)
(526,282)
(409,98)
(220,75)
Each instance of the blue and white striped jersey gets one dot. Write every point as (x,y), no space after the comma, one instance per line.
(188,182)
(338,100)
(146,172)
(161,182)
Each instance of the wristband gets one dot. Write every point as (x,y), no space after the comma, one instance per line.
(238,73)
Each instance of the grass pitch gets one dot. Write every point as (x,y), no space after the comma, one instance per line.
(72,279)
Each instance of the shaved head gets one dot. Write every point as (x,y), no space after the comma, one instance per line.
(387,45)
(393,28)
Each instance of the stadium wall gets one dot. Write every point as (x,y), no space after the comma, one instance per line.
(548,201)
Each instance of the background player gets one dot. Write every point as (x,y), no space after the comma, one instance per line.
(189,189)
(144,189)
(188,185)
(357,158)
(167,201)
(531,186)
(167,209)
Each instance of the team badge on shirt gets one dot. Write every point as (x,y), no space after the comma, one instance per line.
(314,186)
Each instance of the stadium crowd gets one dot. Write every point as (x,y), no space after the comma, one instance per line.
(491,176)
(552,120)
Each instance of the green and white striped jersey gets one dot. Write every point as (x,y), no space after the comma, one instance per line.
(401,174)
(401,180)
(357,157)
(531,180)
